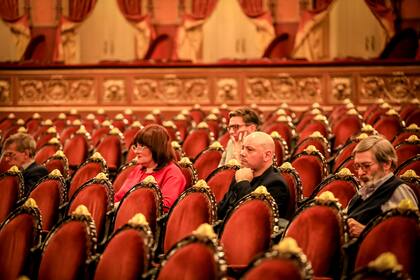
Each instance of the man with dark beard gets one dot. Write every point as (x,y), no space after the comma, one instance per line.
(374,161)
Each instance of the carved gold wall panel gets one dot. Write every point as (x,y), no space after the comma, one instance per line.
(227,91)
(5,92)
(341,88)
(283,88)
(56,91)
(114,92)
(171,90)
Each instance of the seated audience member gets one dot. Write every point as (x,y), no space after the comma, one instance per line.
(257,169)
(155,157)
(19,150)
(241,123)
(374,161)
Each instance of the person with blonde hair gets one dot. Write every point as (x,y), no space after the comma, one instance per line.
(19,150)
(374,161)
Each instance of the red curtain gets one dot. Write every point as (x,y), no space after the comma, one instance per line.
(9,10)
(252,8)
(382,12)
(80,9)
(202,9)
(131,9)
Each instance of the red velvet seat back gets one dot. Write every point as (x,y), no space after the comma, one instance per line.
(94,197)
(45,152)
(110,148)
(274,269)
(406,151)
(187,214)
(189,173)
(16,239)
(344,128)
(388,126)
(342,190)
(47,197)
(224,139)
(247,232)
(121,177)
(84,174)
(310,171)
(130,155)
(318,143)
(414,117)
(195,142)
(183,126)
(413,163)
(98,134)
(67,133)
(219,182)
(59,163)
(76,150)
(193,261)
(9,194)
(43,139)
(65,253)
(129,135)
(206,162)
(399,235)
(197,115)
(292,184)
(141,200)
(312,126)
(129,263)
(404,135)
(318,233)
(342,155)
(283,129)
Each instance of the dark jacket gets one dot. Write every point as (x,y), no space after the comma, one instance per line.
(32,174)
(271,179)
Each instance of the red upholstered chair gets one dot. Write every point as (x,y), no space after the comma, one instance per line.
(247,228)
(88,170)
(50,194)
(413,180)
(412,129)
(278,47)
(346,151)
(401,222)
(208,160)
(308,116)
(130,133)
(376,113)
(127,253)
(33,123)
(319,229)
(408,108)
(77,149)
(197,114)
(47,150)
(120,122)
(145,198)
(183,124)
(198,256)
(122,174)
(214,124)
(389,125)
(90,123)
(408,149)
(100,132)
(311,166)
(294,183)
(43,127)
(224,139)
(172,130)
(317,140)
(97,195)
(412,163)
(195,206)
(60,122)
(179,153)
(69,130)
(45,137)
(345,127)
(414,117)
(19,234)
(111,147)
(284,127)
(12,191)
(281,149)
(188,171)
(131,155)
(101,115)
(7,122)
(58,161)
(343,185)
(197,140)
(339,111)
(219,180)
(68,247)
(320,124)
(280,262)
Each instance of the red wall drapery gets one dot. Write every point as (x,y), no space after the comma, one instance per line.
(382,12)
(80,9)
(131,9)
(252,8)
(202,9)
(9,10)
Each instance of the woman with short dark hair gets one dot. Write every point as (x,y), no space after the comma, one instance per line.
(155,157)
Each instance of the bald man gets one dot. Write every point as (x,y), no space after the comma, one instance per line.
(257,169)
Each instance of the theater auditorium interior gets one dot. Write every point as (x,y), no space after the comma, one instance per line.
(84,77)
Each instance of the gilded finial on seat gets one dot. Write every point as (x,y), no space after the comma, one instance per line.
(97,155)
(286,165)
(352,112)
(31,203)
(47,122)
(367,128)
(261,190)
(138,219)
(201,184)
(320,117)
(155,111)
(55,173)
(410,173)
(284,105)
(11,116)
(216,145)
(59,153)
(197,106)
(73,112)
(233,162)
(20,122)
(215,111)
(61,116)
(175,145)
(316,134)
(180,117)
(391,112)
(81,210)
(76,122)
(282,118)
(406,204)
(90,117)
(149,180)
(311,149)
(280,112)
(52,130)
(114,131)
(185,161)
(106,123)
(412,139)
(344,172)
(385,261)
(412,126)
(150,117)
(81,130)
(22,130)
(211,117)
(128,111)
(224,106)
(288,245)
(100,111)
(119,117)
(275,135)
(54,140)
(205,230)
(101,176)
(362,136)
(202,125)
(136,124)
(36,116)
(14,169)
(326,196)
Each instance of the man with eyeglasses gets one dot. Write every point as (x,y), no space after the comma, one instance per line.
(241,123)
(374,161)
(19,150)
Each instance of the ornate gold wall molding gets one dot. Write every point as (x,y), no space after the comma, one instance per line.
(227,91)
(5,93)
(341,88)
(114,92)
(56,90)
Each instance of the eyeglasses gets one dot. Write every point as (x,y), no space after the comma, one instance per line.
(363,165)
(235,126)
(138,147)
(10,154)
